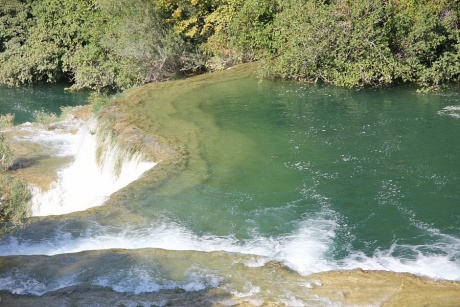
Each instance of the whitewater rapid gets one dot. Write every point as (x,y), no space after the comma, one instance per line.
(85,182)
(305,250)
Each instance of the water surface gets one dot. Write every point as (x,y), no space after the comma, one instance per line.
(315,178)
(23,102)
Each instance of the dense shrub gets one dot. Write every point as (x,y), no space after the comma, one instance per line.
(118,44)
(15,199)
(15,195)
(97,44)
(370,42)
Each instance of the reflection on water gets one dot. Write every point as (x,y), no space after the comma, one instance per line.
(267,180)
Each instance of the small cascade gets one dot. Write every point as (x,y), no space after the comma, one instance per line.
(96,172)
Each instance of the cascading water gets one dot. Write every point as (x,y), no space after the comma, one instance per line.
(87,182)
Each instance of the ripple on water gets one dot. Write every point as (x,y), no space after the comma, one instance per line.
(453,111)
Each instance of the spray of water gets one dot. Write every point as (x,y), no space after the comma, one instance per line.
(88,181)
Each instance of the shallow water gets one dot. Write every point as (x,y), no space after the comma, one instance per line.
(313,177)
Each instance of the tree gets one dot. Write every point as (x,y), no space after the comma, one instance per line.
(134,47)
(51,31)
(15,195)
(369,42)
(98,44)
(112,44)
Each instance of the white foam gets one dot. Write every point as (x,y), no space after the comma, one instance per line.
(85,184)
(302,250)
(305,250)
(453,111)
(141,280)
(57,143)
(22,284)
(438,266)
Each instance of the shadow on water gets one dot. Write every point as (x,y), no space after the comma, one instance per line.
(25,162)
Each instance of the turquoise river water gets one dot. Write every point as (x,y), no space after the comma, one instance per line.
(24,102)
(313,177)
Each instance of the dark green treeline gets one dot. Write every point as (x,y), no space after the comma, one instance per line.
(114,44)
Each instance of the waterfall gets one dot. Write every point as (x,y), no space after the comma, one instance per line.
(96,172)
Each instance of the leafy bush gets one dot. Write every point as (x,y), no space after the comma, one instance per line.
(370,42)
(15,195)
(98,44)
(111,44)
(15,198)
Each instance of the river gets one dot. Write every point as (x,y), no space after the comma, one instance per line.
(24,102)
(258,185)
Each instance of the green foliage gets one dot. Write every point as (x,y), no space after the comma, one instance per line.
(14,22)
(6,154)
(111,44)
(188,17)
(99,44)
(15,195)
(219,54)
(139,37)
(14,25)
(199,23)
(339,44)
(368,42)
(98,100)
(425,42)
(15,198)
(52,31)
(249,30)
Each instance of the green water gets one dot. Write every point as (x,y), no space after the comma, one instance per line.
(314,177)
(382,164)
(25,101)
